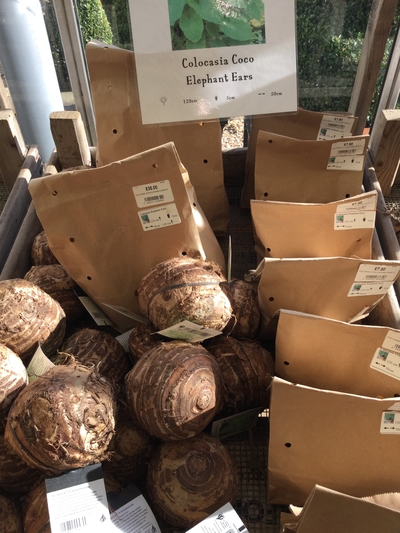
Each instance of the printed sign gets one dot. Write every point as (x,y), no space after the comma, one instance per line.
(208,59)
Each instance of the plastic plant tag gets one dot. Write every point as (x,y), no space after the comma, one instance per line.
(77,500)
(39,364)
(131,512)
(188,331)
(224,520)
(94,311)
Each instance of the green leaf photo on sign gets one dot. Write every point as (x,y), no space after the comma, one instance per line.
(199,24)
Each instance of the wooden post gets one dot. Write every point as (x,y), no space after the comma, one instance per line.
(378,30)
(387,156)
(70,139)
(12,147)
(18,202)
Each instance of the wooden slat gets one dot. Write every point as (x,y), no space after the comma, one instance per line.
(5,98)
(12,147)
(19,258)
(376,36)
(18,203)
(387,156)
(70,139)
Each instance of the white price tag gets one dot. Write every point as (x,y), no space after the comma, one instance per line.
(376,272)
(78,501)
(159,217)
(335,127)
(159,192)
(364,204)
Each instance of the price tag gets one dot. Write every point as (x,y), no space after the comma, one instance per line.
(159,192)
(335,127)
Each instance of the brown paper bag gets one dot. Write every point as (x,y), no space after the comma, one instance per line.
(292,170)
(345,228)
(120,132)
(108,226)
(330,511)
(337,440)
(305,125)
(342,288)
(330,354)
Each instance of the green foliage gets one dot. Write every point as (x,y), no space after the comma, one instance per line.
(210,23)
(93,21)
(330,36)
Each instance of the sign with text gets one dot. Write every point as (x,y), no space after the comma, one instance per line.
(209,59)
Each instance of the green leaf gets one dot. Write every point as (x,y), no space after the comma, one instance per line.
(191,24)
(175,8)
(237,29)
(207,10)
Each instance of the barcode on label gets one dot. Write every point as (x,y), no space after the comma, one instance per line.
(160,197)
(376,277)
(75,523)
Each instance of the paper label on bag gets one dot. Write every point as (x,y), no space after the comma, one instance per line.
(39,364)
(75,503)
(159,217)
(353,220)
(159,192)
(368,289)
(334,127)
(364,204)
(390,422)
(377,272)
(392,341)
(224,520)
(347,155)
(387,362)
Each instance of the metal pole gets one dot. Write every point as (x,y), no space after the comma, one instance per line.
(28,66)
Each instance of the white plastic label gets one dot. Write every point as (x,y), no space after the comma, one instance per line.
(335,127)
(189,332)
(225,520)
(392,341)
(159,192)
(159,217)
(135,517)
(38,365)
(75,503)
